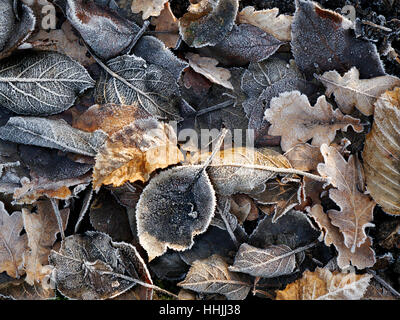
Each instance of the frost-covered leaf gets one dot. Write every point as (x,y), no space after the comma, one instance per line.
(357,208)
(278,25)
(323,284)
(173,208)
(244,44)
(363,256)
(350,91)
(42,229)
(208,68)
(21,290)
(155,52)
(206,23)
(48,133)
(273,261)
(93,267)
(211,275)
(166,21)
(149,86)
(381,153)
(14,31)
(304,157)
(169,266)
(240,170)
(97,25)
(303,122)
(12,244)
(323,40)
(150,8)
(41,83)
(135,151)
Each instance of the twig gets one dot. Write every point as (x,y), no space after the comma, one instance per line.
(138,36)
(215,107)
(386,285)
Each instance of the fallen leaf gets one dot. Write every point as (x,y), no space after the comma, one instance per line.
(304,157)
(166,21)
(41,83)
(356,208)
(323,284)
(208,68)
(150,8)
(304,122)
(206,23)
(350,91)
(173,208)
(211,275)
(363,256)
(12,244)
(41,229)
(381,153)
(270,21)
(20,290)
(323,40)
(169,266)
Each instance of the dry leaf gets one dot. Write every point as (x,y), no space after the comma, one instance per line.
(243,208)
(42,229)
(382,153)
(12,244)
(303,122)
(211,275)
(323,284)
(20,290)
(166,21)
(350,91)
(304,157)
(268,20)
(357,209)
(135,151)
(150,8)
(362,258)
(208,68)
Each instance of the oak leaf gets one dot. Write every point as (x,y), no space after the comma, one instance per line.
(350,90)
(304,122)
(381,153)
(323,284)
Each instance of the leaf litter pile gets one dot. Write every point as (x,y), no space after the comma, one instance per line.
(110,190)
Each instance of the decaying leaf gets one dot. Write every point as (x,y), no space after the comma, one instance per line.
(208,68)
(363,256)
(323,284)
(382,153)
(211,275)
(150,8)
(97,25)
(42,229)
(41,83)
(93,267)
(273,261)
(176,205)
(357,208)
(240,170)
(350,91)
(151,87)
(278,25)
(206,23)
(304,157)
(304,122)
(135,151)
(166,21)
(21,290)
(12,244)
(322,40)
(57,134)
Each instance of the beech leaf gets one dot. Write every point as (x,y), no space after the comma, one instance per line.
(41,83)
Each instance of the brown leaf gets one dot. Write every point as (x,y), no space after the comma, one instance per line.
(12,245)
(269,21)
(356,207)
(303,122)
(323,284)
(20,290)
(208,68)
(350,91)
(150,8)
(243,208)
(166,21)
(382,153)
(304,157)
(42,229)
(363,256)
(211,275)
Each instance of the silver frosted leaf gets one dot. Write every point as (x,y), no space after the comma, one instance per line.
(273,261)
(149,86)
(7,21)
(56,134)
(41,83)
